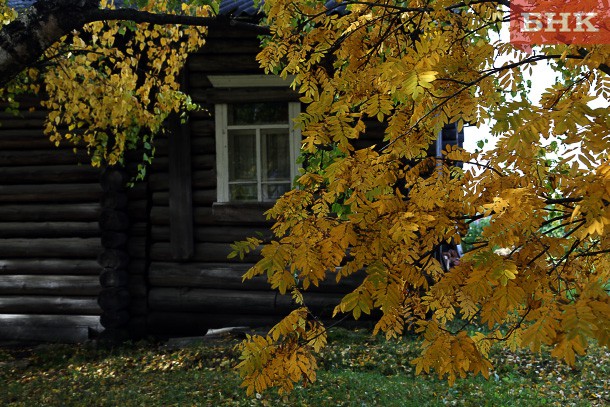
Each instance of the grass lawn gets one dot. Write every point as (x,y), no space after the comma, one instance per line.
(355,370)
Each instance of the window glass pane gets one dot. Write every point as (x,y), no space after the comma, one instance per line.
(275,150)
(271,192)
(243,192)
(257,113)
(242,155)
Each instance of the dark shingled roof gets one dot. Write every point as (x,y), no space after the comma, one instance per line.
(19,4)
(238,8)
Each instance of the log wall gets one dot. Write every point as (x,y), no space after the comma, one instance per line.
(192,290)
(49,235)
(80,253)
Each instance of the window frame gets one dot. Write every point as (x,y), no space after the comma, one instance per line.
(222,149)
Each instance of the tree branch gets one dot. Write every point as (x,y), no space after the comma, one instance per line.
(137,16)
(24,40)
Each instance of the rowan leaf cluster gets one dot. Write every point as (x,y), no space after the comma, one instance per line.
(111,86)
(539,273)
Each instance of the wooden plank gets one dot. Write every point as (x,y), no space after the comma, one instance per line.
(49,285)
(74,193)
(226,45)
(73,248)
(218,63)
(49,174)
(159,215)
(50,328)
(217,234)
(198,162)
(203,275)
(48,229)
(236,301)
(23,119)
(235,95)
(223,276)
(197,324)
(204,252)
(46,213)
(49,305)
(203,129)
(180,194)
(201,197)
(49,156)
(242,213)
(50,266)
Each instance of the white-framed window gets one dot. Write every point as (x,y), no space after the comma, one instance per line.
(256,150)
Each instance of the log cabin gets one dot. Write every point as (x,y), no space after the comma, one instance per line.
(81,254)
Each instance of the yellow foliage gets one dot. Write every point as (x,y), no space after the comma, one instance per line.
(111,85)
(540,271)
(539,274)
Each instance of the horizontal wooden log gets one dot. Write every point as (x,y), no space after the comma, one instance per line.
(200,179)
(222,214)
(201,197)
(48,229)
(225,276)
(217,234)
(50,328)
(23,119)
(236,301)
(242,213)
(215,63)
(204,129)
(49,305)
(197,324)
(59,174)
(49,266)
(203,113)
(49,285)
(199,145)
(48,156)
(88,212)
(204,275)
(230,31)
(198,162)
(159,215)
(73,248)
(38,142)
(241,95)
(227,46)
(204,252)
(73,193)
